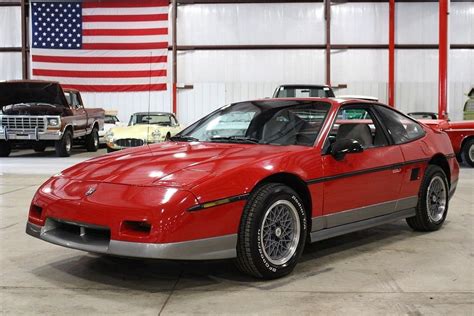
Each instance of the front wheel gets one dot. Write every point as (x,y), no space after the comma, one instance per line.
(468,152)
(433,201)
(5,148)
(64,145)
(272,232)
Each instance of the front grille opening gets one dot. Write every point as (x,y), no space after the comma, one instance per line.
(129,142)
(94,236)
(135,228)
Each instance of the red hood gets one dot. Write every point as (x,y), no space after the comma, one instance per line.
(171,164)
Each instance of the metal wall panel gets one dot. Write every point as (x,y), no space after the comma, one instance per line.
(257,23)
(359,23)
(416,23)
(10,65)
(461,23)
(10,27)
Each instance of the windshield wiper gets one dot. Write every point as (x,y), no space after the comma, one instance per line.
(240,139)
(184,138)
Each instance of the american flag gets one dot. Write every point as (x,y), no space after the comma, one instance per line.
(101,46)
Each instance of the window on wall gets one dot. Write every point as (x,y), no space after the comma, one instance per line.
(401,128)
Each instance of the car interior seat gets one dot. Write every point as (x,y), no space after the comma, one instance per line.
(358,131)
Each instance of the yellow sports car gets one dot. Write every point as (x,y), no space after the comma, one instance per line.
(143,128)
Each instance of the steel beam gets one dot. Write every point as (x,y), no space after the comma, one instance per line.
(391,54)
(443,60)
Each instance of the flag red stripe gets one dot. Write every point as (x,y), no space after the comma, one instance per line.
(116,88)
(100,60)
(125,18)
(157,45)
(125,32)
(125,4)
(99,74)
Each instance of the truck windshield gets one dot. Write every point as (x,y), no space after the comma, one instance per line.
(303,92)
(261,122)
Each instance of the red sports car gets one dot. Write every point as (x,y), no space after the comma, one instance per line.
(253,181)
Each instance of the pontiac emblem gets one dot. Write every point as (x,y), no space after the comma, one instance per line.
(90,191)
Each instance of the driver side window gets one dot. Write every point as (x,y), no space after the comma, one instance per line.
(357,123)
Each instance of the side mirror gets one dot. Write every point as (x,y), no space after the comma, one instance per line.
(345,146)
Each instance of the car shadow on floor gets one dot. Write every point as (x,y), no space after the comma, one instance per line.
(50,152)
(156,275)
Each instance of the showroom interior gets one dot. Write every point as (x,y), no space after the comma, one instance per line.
(129,150)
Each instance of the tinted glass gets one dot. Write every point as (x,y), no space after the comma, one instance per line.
(400,127)
(358,124)
(278,123)
(156,119)
(304,92)
(110,119)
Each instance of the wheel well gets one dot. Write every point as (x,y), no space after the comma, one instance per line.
(465,140)
(441,161)
(69,127)
(298,185)
(96,124)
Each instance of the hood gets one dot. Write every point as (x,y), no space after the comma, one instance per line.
(169,164)
(135,131)
(31,93)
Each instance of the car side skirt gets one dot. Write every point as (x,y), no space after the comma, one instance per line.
(328,226)
(221,247)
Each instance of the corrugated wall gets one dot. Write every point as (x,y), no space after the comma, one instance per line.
(224,76)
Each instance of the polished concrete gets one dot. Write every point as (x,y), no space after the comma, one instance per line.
(385,270)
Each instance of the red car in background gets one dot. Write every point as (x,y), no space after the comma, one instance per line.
(461,135)
(253,181)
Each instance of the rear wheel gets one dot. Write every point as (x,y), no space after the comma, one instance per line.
(5,148)
(92,140)
(433,201)
(468,152)
(64,145)
(272,232)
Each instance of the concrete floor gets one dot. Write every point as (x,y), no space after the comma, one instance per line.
(385,270)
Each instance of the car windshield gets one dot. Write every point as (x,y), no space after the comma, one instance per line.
(303,92)
(110,119)
(261,122)
(145,118)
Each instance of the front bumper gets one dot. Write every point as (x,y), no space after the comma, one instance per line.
(30,135)
(88,238)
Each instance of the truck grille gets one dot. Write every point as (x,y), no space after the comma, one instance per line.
(129,142)
(23,123)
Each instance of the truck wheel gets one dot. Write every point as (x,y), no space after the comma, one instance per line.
(433,201)
(468,152)
(64,145)
(272,232)
(5,148)
(39,147)
(92,140)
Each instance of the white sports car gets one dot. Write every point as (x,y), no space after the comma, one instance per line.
(143,128)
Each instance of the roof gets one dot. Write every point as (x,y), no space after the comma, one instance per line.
(153,113)
(305,85)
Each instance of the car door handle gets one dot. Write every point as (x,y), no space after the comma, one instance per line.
(397,170)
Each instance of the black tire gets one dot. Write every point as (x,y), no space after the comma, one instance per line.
(467,148)
(39,147)
(5,148)
(64,145)
(92,140)
(424,220)
(110,150)
(252,258)
(167,137)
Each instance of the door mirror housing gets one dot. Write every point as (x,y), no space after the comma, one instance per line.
(345,146)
